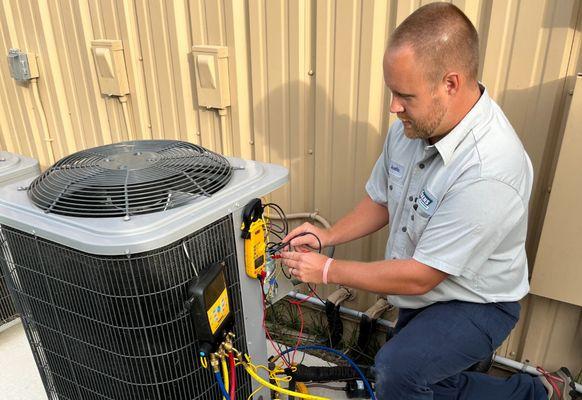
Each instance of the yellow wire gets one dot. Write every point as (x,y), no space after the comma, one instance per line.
(271,373)
(254,392)
(269,385)
(224,375)
(203,362)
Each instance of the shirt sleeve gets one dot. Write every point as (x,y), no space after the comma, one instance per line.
(472,221)
(377,185)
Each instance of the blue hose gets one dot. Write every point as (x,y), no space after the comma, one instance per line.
(218,377)
(342,355)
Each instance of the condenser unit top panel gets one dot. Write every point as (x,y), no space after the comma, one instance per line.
(130,178)
(143,232)
(15,167)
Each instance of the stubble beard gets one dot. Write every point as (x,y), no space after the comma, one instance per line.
(425,128)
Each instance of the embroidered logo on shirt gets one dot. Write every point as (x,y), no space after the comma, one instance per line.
(396,169)
(427,202)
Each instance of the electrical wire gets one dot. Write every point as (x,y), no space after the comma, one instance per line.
(277,350)
(302,323)
(273,248)
(342,355)
(281,245)
(218,378)
(314,293)
(285,228)
(189,259)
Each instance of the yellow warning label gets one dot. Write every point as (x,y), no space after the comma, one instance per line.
(219,311)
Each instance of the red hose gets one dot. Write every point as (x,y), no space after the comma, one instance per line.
(232,376)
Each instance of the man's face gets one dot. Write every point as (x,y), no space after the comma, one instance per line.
(419,105)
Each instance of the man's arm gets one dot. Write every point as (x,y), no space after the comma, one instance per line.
(396,277)
(367,217)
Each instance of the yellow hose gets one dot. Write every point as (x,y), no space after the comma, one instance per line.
(269,385)
(225,375)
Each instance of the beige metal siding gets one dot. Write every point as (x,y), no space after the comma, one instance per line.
(306,91)
(561,280)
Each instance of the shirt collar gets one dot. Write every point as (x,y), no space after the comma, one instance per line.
(448,144)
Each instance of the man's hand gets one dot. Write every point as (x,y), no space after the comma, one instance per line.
(307,267)
(309,239)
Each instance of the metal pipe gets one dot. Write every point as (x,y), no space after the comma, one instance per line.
(43,120)
(123,101)
(226,137)
(304,215)
(524,368)
(342,309)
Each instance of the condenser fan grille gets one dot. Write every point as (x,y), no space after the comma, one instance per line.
(130,178)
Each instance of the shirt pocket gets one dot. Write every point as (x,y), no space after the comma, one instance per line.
(417,222)
(394,195)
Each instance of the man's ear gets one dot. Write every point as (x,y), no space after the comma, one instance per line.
(452,82)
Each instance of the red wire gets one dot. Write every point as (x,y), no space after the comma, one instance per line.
(267,330)
(232,376)
(298,303)
(552,380)
(300,314)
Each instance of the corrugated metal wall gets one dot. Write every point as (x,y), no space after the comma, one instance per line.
(306,91)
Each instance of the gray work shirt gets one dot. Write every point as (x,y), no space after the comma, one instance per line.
(459,206)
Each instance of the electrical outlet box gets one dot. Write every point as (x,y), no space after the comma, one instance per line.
(23,66)
(111,70)
(212,83)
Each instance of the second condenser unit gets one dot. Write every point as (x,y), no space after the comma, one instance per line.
(13,168)
(101,250)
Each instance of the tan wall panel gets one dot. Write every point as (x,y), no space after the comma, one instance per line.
(280,62)
(534,42)
(557,274)
(307,92)
(554,334)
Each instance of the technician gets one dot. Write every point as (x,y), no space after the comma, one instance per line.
(454,181)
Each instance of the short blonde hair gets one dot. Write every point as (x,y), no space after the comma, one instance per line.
(442,38)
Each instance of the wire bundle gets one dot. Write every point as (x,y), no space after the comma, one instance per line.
(275,374)
(281,231)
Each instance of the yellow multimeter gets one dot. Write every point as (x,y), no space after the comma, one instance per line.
(253,232)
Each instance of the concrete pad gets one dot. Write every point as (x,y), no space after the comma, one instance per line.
(19,377)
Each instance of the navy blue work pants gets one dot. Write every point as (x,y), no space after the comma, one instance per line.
(433,345)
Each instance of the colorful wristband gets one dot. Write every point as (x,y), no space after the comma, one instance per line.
(326,268)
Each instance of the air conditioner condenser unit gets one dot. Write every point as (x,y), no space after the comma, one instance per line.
(103,248)
(13,167)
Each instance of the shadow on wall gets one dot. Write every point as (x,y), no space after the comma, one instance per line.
(330,148)
(538,114)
